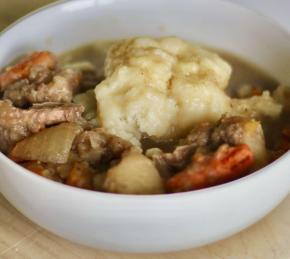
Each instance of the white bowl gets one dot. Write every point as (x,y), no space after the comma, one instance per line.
(157,223)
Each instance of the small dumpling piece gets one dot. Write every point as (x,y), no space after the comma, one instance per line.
(256,107)
(135,174)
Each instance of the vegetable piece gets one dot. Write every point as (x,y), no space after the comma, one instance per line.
(135,174)
(81,176)
(88,101)
(51,145)
(40,169)
(226,164)
(253,137)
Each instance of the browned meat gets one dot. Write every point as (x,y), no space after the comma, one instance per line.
(34,67)
(97,146)
(36,79)
(229,130)
(60,89)
(167,162)
(16,124)
(199,135)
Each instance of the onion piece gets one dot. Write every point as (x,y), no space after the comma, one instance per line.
(88,101)
(51,145)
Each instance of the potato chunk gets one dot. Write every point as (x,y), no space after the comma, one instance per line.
(135,174)
(253,136)
(51,145)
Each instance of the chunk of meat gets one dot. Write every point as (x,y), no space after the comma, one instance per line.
(16,124)
(60,89)
(29,67)
(229,130)
(95,146)
(36,79)
(226,164)
(234,130)
(166,163)
(199,135)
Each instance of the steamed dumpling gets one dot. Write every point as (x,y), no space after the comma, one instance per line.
(160,87)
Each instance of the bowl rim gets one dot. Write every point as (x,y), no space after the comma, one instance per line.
(17,169)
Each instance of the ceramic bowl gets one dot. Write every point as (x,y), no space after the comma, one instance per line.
(157,223)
